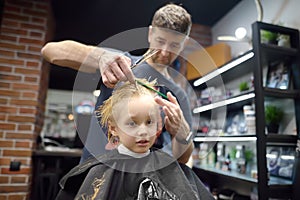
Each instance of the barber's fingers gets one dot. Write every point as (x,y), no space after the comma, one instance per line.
(172,101)
(171,108)
(109,79)
(172,98)
(172,125)
(125,72)
(114,68)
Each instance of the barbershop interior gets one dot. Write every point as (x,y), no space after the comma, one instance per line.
(239,68)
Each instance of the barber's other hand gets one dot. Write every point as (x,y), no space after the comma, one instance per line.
(174,120)
(114,67)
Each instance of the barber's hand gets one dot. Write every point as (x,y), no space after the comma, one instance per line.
(114,67)
(175,122)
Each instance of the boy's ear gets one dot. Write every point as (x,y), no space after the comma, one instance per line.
(113,137)
(111,127)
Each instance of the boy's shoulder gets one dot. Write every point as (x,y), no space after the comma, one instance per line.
(83,168)
(113,159)
(158,166)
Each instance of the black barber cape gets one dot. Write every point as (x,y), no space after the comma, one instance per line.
(114,176)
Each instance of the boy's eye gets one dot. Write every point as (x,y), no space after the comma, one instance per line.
(149,122)
(131,123)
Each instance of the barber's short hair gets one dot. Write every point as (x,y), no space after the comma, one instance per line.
(173,17)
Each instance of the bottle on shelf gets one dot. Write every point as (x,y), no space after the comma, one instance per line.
(203,154)
(211,158)
(195,155)
(227,164)
(240,159)
(249,115)
(220,155)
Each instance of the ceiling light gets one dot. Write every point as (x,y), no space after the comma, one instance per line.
(227,38)
(240,36)
(240,33)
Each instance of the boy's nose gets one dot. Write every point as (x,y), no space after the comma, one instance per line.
(142,131)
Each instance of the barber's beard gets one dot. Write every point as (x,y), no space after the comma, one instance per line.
(162,60)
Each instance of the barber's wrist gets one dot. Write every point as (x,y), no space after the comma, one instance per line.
(99,57)
(184,140)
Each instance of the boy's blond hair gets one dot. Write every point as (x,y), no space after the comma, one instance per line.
(125,91)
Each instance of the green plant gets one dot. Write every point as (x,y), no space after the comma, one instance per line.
(233,153)
(249,155)
(243,86)
(268,36)
(273,114)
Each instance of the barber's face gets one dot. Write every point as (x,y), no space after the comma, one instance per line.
(169,43)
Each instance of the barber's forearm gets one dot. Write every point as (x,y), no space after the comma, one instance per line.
(182,151)
(73,55)
(182,143)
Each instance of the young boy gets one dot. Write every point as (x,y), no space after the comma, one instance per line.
(132,170)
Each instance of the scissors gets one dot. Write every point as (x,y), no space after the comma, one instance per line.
(144,57)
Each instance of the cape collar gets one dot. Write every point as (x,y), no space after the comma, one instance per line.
(124,150)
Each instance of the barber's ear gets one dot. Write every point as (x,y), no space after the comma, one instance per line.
(150,32)
(187,39)
(185,43)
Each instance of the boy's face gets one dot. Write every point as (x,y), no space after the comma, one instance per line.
(170,44)
(136,122)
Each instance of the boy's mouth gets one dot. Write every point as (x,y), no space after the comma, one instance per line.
(142,142)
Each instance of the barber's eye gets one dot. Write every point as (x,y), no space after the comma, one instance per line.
(175,46)
(161,42)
